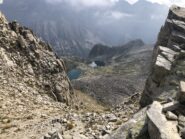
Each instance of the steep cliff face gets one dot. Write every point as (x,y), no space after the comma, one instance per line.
(168,67)
(28,65)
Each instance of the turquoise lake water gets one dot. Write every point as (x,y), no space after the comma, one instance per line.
(74,74)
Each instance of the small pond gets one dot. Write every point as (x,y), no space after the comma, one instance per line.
(74,74)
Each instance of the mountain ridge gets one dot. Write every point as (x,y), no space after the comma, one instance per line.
(103,50)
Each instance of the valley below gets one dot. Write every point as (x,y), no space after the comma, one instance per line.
(122,75)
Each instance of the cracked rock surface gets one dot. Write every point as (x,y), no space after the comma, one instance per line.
(168,68)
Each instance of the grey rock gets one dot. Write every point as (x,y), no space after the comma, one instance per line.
(22,42)
(171,116)
(178,37)
(56,135)
(47,136)
(182,86)
(176,48)
(136,127)
(181,120)
(168,53)
(182,132)
(158,126)
(179,25)
(171,106)
(182,92)
(52,135)
(163,63)
(168,60)
(67,136)
(111,117)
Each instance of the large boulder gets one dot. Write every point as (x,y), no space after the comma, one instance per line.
(158,126)
(135,128)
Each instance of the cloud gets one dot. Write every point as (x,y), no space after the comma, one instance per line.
(112,14)
(105,3)
(111,17)
(131,1)
(162,2)
(169,2)
(118,15)
(1,1)
(86,3)
(156,17)
(90,3)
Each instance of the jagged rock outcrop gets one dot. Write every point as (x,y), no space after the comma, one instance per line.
(168,68)
(27,62)
(163,119)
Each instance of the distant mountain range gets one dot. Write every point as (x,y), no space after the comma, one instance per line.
(103,52)
(75,31)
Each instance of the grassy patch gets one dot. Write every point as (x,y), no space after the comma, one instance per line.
(89,103)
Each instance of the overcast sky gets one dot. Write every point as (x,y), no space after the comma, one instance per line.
(113,21)
(89,3)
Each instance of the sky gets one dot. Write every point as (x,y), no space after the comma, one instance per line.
(111,21)
(104,3)
(110,15)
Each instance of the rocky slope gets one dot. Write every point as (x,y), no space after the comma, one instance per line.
(28,60)
(32,79)
(167,72)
